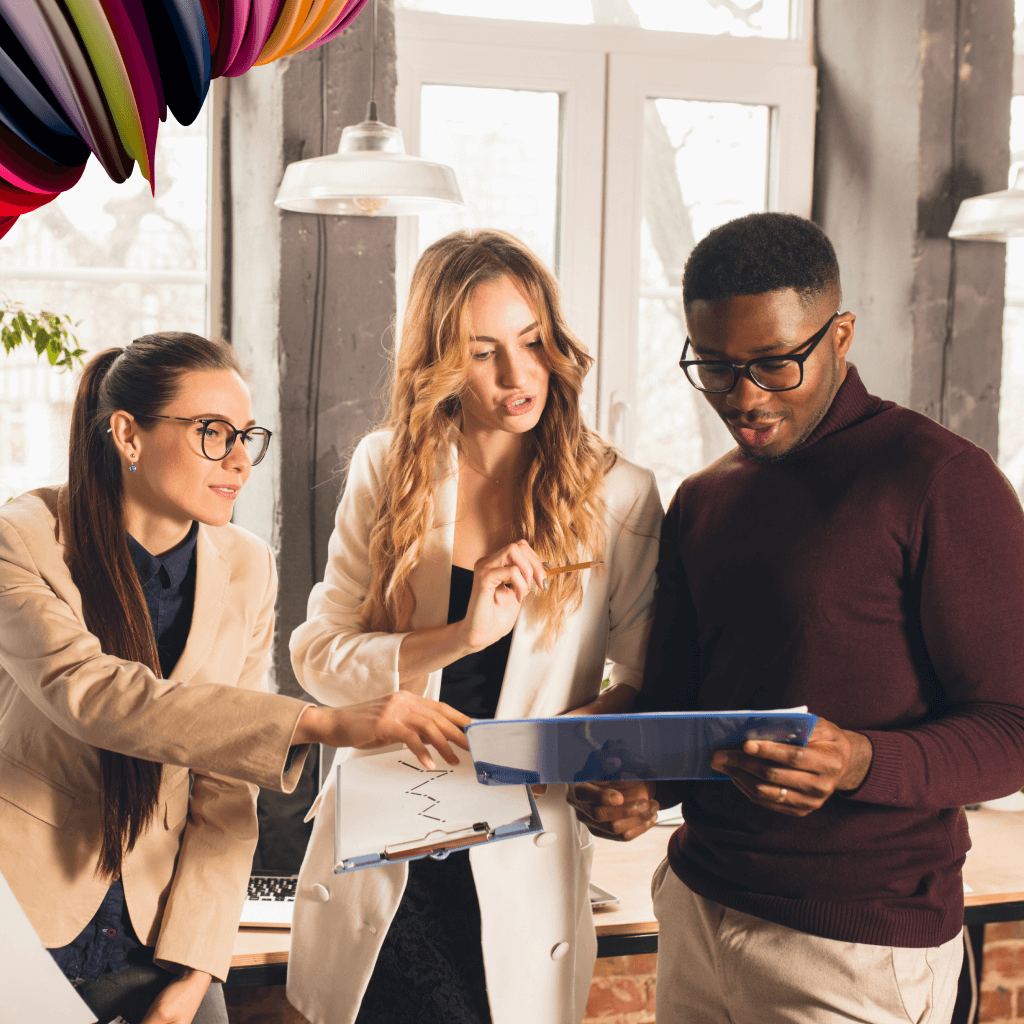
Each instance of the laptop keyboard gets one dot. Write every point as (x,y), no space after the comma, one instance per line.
(272,887)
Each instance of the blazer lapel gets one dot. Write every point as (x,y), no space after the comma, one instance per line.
(59,577)
(213,573)
(431,580)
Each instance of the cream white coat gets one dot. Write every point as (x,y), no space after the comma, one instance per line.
(537,931)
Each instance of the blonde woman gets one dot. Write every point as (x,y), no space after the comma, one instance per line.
(436,584)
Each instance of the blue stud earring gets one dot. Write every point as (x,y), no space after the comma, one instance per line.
(132,469)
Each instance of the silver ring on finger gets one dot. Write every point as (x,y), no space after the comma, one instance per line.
(782,795)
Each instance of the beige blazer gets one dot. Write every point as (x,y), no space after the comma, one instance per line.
(538,936)
(62,698)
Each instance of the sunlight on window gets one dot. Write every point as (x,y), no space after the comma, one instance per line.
(504,146)
(120,263)
(767,18)
(704,164)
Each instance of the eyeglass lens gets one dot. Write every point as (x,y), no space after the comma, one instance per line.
(218,438)
(772,375)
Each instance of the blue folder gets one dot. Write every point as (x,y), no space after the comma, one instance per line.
(614,748)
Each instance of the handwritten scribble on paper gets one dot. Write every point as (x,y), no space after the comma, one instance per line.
(419,791)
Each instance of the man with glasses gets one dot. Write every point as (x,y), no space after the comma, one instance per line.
(856,557)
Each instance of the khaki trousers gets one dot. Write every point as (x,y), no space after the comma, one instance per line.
(719,966)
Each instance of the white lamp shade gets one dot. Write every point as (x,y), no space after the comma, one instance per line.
(995,217)
(369,176)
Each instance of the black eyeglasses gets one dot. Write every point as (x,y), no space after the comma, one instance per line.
(769,373)
(217,438)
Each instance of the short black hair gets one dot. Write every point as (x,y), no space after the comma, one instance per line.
(762,252)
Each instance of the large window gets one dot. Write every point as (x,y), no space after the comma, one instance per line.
(611,137)
(121,263)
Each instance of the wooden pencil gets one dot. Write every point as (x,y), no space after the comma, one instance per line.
(571,568)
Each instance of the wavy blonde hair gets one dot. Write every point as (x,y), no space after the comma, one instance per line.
(559,507)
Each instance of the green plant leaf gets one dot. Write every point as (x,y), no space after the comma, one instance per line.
(47,332)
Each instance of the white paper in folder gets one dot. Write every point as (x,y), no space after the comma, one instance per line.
(389,808)
(35,990)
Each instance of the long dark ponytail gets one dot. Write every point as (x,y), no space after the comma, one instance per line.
(140,379)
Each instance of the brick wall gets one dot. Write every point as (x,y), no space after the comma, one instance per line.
(623,988)
(622,991)
(1002,983)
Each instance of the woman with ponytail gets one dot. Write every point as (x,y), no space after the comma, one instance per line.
(437,585)
(135,632)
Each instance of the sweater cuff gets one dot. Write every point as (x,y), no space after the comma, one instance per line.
(885,774)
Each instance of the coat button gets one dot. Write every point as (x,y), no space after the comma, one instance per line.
(111,932)
(320,892)
(559,949)
(545,839)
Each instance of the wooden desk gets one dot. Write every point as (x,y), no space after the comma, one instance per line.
(995,867)
(994,870)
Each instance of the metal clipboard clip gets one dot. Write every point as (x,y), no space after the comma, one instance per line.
(438,843)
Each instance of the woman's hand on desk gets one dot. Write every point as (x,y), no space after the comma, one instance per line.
(177,1004)
(501,582)
(399,717)
(615,810)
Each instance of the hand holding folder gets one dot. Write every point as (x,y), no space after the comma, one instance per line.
(607,748)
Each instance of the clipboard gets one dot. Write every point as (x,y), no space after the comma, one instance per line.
(615,748)
(390,809)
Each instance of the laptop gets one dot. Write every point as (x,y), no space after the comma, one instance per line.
(271,897)
(269,900)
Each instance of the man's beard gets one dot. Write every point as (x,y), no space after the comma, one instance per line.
(813,423)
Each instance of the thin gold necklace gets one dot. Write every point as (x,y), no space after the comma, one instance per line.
(487,477)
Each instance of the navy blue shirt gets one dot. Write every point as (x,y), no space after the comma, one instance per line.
(108,942)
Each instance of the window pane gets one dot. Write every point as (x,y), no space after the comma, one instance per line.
(704,164)
(503,144)
(767,18)
(99,226)
(1011,388)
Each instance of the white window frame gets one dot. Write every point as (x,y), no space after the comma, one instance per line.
(789,90)
(579,78)
(604,74)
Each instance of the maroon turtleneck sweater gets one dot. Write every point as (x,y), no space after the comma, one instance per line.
(875,574)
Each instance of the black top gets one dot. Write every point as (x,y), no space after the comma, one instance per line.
(169,587)
(108,942)
(430,968)
(472,684)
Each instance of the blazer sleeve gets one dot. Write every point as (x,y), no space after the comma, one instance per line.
(121,705)
(200,919)
(334,658)
(632,574)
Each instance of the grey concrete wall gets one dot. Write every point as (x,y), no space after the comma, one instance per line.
(966,86)
(914,117)
(865,174)
(312,301)
(310,304)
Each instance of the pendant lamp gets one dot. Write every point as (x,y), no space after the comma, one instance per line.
(371,175)
(995,217)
